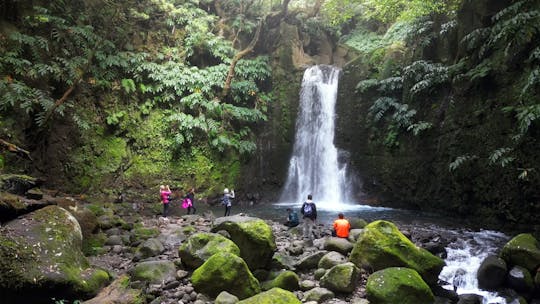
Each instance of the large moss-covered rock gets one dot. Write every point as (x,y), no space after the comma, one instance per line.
(12,206)
(42,252)
(201,246)
(225,271)
(253,236)
(341,278)
(398,285)
(522,251)
(287,280)
(382,245)
(18,183)
(272,296)
(153,271)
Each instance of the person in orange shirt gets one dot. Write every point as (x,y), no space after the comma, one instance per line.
(341,227)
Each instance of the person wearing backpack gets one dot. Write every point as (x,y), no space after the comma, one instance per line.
(190,201)
(309,211)
(226,201)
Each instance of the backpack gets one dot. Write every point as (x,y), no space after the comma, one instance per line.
(186,203)
(308,209)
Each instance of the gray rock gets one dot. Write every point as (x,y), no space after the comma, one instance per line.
(226,298)
(332,259)
(341,278)
(491,273)
(310,261)
(149,248)
(318,294)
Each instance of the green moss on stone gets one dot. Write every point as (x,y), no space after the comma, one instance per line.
(382,245)
(523,251)
(272,296)
(398,285)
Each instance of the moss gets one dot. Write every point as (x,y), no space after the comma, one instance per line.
(145,233)
(201,246)
(189,230)
(273,296)
(397,285)
(287,280)
(93,244)
(382,245)
(225,271)
(522,250)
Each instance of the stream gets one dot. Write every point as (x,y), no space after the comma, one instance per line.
(464,254)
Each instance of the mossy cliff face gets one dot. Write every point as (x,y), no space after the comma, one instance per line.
(452,165)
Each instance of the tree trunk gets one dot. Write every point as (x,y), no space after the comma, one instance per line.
(237,57)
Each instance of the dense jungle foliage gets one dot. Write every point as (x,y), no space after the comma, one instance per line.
(124,95)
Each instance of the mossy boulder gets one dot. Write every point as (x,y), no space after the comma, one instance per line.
(225,271)
(340,245)
(201,246)
(332,259)
(522,251)
(253,236)
(272,296)
(18,183)
(154,272)
(12,206)
(149,248)
(492,273)
(398,285)
(118,293)
(382,245)
(287,280)
(42,252)
(341,278)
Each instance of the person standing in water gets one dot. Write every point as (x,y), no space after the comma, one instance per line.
(191,204)
(164,193)
(309,211)
(226,201)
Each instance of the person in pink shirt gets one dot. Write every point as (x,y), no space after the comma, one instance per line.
(164,193)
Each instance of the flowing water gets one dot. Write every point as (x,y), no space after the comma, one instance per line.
(315,169)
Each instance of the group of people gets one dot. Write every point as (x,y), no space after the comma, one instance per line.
(188,200)
(309,212)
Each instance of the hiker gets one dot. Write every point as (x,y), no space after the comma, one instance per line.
(226,200)
(164,193)
(309,212)
(292,218)
(189,199)
(341,227)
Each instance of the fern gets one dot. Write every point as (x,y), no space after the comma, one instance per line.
(460,160)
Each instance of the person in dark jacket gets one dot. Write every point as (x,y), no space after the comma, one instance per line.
(309,212)
(292,218)
(191,196)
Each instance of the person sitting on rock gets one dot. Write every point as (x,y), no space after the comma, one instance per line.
(341,227)
(292,218)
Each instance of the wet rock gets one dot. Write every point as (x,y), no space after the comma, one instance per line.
(470,299)
(310,261)
(491,273)
(520,279)
(523,250)
(307,285)
(149,248)
(154,272)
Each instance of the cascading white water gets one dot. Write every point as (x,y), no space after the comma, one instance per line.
(314,167)
(464,258)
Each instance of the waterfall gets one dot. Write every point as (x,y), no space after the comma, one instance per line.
(314,167)
(464,257)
